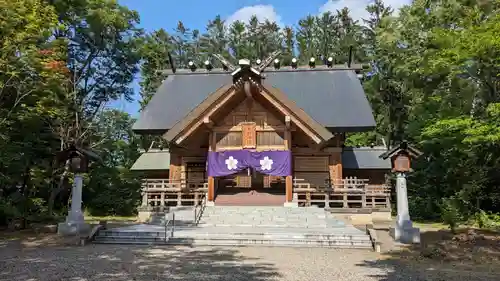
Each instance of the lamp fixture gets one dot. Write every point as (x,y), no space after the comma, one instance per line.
(276,63)
(329,62)
(258,61)
(312,62)
(294,63)
(192,66)
(208,65)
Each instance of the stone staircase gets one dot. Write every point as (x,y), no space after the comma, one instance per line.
(242,226)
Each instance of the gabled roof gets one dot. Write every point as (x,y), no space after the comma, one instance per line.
(152,160)
(364,158)
(335,98)
(402,146)
(176,97)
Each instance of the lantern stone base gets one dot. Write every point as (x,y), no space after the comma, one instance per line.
(144,215)
(73,228)
(291,204)
(405,233)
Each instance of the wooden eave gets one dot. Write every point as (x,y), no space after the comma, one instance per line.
(201,114)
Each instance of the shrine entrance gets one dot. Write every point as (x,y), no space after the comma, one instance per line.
(250,188)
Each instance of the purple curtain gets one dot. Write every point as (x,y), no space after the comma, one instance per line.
(274,163)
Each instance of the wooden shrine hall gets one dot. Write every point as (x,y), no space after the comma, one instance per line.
(261,134)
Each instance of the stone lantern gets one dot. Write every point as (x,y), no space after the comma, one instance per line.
(79,159)
(401,155)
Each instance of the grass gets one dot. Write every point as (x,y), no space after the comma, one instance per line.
(96,219)
(430,225)
(467,246)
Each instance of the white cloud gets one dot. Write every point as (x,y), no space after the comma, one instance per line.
(357,8)
(262,12)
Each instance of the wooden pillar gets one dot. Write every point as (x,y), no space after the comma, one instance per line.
(211,189)
(211,180)
(288,146)
(175,167)
(335,168)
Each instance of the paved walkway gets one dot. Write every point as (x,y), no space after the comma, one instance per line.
(121,263)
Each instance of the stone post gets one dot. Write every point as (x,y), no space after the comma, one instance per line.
(403,230)
(144,197)
(75,223)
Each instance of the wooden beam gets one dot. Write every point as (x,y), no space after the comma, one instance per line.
(208,122)
(335,167)
(289,188)
(308,150)
(209,113)
(259,129)
(288,146)
(249,103)
(288,122)
(211,180)
(299,124)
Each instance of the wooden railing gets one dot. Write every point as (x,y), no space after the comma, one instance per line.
(343,193)
(164,192)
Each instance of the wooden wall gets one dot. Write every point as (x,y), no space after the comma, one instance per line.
(312,169)
(159,174)
(269,128)
(269,134)
(175,166)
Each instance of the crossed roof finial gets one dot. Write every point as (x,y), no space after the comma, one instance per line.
(225,62)
(269,60)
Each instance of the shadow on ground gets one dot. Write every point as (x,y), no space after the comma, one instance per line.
(470,254)
(101,262)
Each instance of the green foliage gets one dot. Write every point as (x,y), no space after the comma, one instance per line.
(60,63)
(451,213)
(487,220)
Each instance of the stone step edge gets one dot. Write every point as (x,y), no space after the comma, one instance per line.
(238,242)
(338,239)
(197,243)
(161,233)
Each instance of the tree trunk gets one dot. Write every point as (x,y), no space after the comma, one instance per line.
(60,187)
(26,195)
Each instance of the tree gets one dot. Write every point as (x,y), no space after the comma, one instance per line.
(102,62)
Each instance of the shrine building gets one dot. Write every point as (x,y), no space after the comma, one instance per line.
(262,134)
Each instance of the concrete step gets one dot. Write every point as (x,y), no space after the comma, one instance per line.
(244,225)
(228,232)
(236,241)
(222,224)
(224,236)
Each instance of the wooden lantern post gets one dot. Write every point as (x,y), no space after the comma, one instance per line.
(401,156)
(79,163)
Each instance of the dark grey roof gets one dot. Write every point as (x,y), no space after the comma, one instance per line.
(364,158)
(152,160)
(176,97)
(335,98)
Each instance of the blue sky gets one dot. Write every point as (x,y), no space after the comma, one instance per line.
(195,14)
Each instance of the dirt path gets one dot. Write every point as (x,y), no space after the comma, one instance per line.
(50,258)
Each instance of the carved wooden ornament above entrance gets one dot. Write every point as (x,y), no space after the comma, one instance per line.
(249,135)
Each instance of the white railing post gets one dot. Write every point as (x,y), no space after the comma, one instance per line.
(145,195)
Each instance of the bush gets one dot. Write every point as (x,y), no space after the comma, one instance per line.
(8,212)
(487,220)
(450,213)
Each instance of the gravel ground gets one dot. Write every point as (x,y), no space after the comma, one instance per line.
(148,263)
